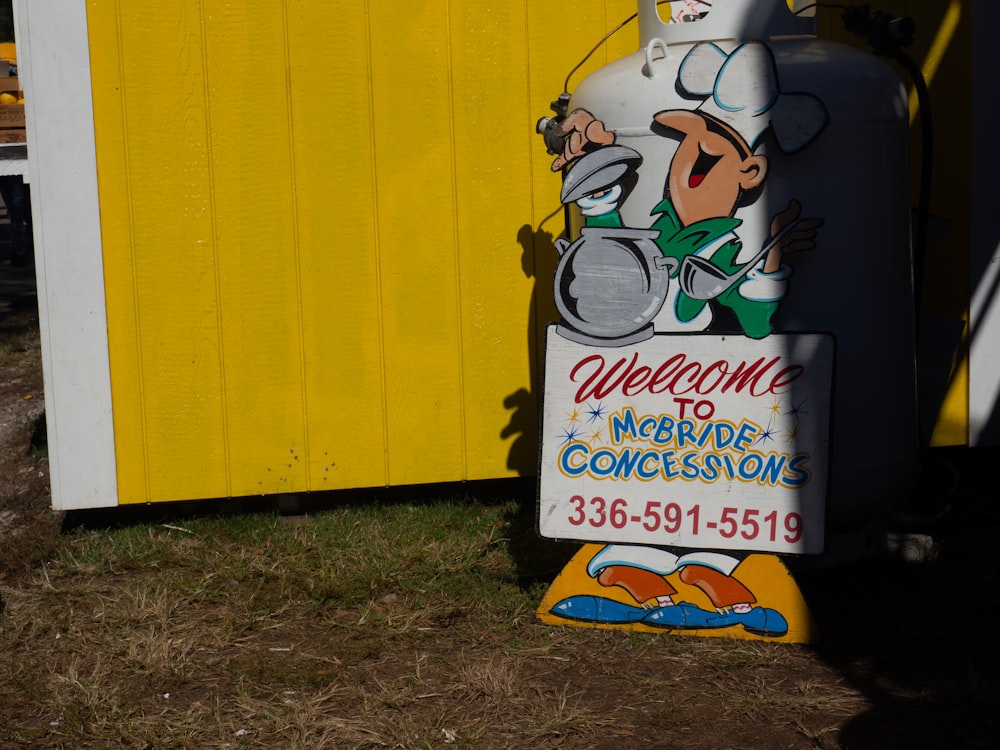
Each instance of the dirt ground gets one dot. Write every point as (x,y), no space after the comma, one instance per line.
(25,520)
(904,660)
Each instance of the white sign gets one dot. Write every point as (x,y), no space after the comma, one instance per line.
(701,441)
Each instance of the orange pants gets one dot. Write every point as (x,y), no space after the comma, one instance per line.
(643,585)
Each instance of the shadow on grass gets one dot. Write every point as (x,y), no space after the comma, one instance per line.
(290,504)
(917,637)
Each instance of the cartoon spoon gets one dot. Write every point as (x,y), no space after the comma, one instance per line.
(699,278)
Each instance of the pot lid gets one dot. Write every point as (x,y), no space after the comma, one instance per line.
(598,170)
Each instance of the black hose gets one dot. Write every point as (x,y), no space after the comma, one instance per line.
(920,240)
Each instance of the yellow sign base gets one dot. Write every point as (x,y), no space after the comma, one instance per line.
(575,598)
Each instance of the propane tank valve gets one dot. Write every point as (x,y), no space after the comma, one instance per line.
(546,126)
(887,34)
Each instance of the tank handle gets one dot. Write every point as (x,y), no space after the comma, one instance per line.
(727,19)
(648,70)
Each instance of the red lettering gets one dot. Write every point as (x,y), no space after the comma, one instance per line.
(704,409)
(683,403)
(679,375)
(636,380)
(748,377)
(723,368)
(663,372)
(602,388)
(695,368)
(786,377)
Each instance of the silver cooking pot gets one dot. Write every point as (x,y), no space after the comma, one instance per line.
(610,284)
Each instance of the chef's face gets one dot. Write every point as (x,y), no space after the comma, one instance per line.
(711,169)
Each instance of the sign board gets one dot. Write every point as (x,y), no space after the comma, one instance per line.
(688,440)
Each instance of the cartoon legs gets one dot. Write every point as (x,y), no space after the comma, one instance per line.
(642,571)
(723,590)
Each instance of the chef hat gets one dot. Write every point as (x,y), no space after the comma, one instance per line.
(741,89)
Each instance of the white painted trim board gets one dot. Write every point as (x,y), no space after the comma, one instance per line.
(54,67)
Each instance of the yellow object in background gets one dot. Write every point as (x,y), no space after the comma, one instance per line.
(8,52)
(8,98)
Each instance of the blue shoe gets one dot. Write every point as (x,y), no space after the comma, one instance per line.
(763,621)
(759,620)
(681,616)
(598,609)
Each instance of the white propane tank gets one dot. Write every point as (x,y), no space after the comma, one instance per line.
(857,282)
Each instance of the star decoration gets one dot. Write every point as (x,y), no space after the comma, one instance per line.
(595,412)
(570,435)
(775,407)
(768,433)
(797,410)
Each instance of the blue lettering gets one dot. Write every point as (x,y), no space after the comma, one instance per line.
(691,469)
(771,469)
(646,427)
(749,467)
(664,431)
(603,462)
(712,464)
(724,434)
(668,464)
(627,462)
(746,436)
(643,469)
(566,462)
(706,433)
(623,423)
(685,432)
(797,475)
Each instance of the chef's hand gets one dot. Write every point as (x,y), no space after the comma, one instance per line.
(581,132)
(802,237)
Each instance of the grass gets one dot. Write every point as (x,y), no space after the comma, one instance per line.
(286,615)
(409,622)
(360,557)
(373,625)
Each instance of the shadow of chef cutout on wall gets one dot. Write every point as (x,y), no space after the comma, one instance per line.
(669,448)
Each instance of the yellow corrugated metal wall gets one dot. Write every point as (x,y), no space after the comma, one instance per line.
(313,218)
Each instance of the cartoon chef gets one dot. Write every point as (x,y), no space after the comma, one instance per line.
(716,170)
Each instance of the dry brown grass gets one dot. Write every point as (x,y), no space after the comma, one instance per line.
(27,528)
(225,637)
